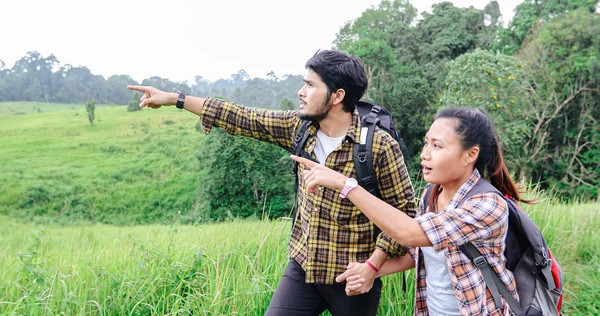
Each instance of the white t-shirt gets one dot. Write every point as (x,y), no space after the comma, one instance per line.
(440,292)
(326,145)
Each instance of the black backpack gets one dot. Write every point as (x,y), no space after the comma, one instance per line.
(371,115)
(537,275)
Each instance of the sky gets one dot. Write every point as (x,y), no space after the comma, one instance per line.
(179,39)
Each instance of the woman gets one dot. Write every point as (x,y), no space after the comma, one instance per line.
(460,147)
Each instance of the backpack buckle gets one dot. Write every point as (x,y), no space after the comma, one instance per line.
(480,262)
(370,118)
(362,157)
(544,263)
(376,109)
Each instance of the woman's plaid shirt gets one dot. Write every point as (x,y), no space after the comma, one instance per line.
(482,220)
(329,232)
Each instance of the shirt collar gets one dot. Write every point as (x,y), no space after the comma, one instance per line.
(353,132)
(465,187)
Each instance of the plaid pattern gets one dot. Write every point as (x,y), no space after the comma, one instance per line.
(329,232)
(482,220)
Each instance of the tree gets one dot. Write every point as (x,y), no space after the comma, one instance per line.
(529,14)
(134,104)
(272,76)
(287,104)
(117,92)
(562,63)
(367,38)
(405,62)
(38,78)
(240,77)
(498,84)
(2,68)
(91,109)
(243,177)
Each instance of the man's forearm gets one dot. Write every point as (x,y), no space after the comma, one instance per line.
(193,104)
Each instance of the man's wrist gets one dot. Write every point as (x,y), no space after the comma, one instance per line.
(378,257)
(173,98)
(372,266)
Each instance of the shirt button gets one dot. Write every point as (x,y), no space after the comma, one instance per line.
(316,209)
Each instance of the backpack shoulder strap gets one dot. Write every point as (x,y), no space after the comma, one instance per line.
(403,149)
(299,142)
(298,150)
(482,186)
(493,282)
(428,190)
(363,152)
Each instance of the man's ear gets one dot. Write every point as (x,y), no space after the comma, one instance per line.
(471,155)
(338,96)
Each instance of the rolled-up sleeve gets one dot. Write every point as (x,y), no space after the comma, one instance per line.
(275,127)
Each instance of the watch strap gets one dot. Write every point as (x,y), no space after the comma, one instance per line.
(347,188)
(180,99)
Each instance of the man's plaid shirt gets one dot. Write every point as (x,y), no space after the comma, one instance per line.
(329,232)
(482,220)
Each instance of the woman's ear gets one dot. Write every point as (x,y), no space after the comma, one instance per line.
(471,155)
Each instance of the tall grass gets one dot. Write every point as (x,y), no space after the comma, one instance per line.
(220,269)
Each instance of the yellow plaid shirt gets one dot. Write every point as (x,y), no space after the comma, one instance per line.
(329,232)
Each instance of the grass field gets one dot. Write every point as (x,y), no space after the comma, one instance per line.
(129,167)
(21,108)
(219,269)
(58,175)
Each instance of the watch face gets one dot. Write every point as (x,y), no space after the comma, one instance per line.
(351,182)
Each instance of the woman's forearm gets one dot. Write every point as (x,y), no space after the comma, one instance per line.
(401,227)
(396,264)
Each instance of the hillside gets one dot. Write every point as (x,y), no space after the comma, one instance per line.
(127,167)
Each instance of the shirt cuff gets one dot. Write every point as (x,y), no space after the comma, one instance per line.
(211,111)
(390,246)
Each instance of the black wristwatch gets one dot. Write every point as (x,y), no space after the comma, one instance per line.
(180,99)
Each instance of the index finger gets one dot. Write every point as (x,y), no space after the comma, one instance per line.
(138,88)
(343,277)
(308,163)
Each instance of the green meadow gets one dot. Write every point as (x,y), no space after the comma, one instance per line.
(84,230)
(129,167)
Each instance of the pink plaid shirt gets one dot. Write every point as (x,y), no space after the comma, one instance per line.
(482,220)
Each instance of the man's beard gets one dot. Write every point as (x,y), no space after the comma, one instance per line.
(319,116)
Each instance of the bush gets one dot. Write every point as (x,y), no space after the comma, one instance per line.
(243,177)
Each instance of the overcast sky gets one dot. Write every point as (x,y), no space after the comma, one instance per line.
(178,39)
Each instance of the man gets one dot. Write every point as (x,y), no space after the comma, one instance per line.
(329,232)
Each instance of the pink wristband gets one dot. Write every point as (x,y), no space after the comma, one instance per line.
(372,266)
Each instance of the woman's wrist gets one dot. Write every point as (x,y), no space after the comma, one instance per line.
(341,182)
